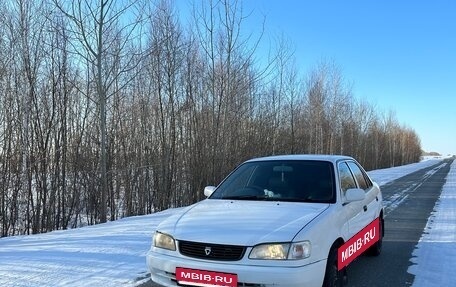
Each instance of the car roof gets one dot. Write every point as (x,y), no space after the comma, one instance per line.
(319,157)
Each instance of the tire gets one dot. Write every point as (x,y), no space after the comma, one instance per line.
(376,249)
(334,277)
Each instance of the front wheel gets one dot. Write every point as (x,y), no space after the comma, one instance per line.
(334,277)
(376,249)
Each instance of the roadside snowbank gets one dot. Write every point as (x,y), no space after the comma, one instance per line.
(434,256)
(111,254)
(386,175)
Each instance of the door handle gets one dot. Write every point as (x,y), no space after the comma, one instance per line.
(365,207)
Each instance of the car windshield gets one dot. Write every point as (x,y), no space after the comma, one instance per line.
(290,180)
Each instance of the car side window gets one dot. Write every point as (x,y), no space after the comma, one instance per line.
(360,176)
(346,178)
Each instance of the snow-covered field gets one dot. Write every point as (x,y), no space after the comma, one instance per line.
(113,254)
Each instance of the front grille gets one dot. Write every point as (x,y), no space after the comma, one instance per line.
(211,251)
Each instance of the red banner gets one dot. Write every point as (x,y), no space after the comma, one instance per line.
(358,244)
(196,277)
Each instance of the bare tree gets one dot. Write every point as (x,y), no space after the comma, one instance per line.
(103,30)
(227,59)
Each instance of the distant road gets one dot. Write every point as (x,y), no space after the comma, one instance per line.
(406,217)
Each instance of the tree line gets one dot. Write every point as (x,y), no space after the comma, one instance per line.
(114,108)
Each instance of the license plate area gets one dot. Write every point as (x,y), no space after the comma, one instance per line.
(196,277)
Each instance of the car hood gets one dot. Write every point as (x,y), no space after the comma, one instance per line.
(240,222)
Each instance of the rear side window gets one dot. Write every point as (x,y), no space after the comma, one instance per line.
(361,178)
(346,178)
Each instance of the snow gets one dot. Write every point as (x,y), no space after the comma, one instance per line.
(434,256)
(384,176)
(113,254)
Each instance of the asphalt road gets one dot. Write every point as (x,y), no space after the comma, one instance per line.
(406,217)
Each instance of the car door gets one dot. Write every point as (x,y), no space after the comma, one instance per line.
(371,202)
(357,212)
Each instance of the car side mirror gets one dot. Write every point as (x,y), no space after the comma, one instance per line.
(209,190)
(354,194)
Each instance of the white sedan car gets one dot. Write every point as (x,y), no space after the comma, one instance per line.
(294,220)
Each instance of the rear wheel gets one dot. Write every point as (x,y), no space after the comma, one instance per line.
(334,277)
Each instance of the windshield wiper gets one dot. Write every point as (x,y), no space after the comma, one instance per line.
(304,200)
(267,198)
(246,197)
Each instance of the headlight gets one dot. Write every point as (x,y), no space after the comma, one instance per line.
(165,241)
(270,251)
(281,251)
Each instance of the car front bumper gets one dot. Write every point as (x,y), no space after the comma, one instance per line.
(163,268)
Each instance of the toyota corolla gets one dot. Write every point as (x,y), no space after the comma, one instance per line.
(294,220)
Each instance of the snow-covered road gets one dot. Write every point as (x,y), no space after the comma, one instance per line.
(113,254)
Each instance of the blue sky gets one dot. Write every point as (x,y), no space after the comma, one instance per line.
(399,55)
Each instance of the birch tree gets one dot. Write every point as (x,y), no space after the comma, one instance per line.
(102,32)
